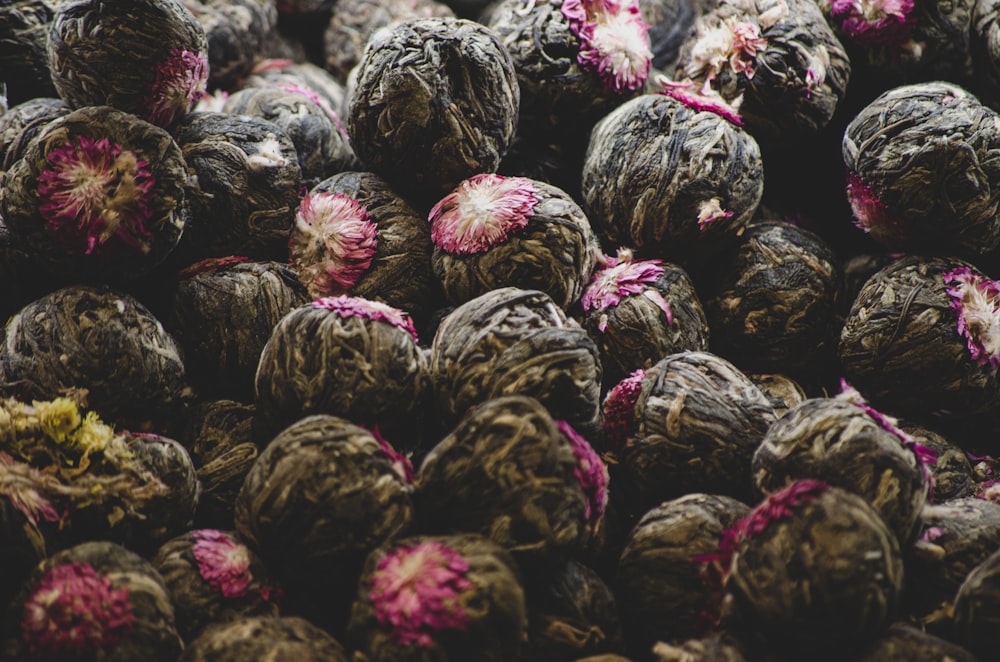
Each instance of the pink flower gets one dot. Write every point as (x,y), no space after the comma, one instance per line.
(333,243)
(590,472)
(871,215)
(96,198)
(621,277)
(415,592)
(482,212)
(613,41)
(400,463)
(21,484)
(871,23)
(73,611)
(976,302)
(223,562)
(619,409)
(724,43)
(180,82)
(700,102)
(348,306)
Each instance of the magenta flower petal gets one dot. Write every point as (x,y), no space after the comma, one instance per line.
(613,41)
(223,562)
(871,215)
(619,409)
(400,463)
(871,23)
(976,302)
(333,244)
(699,102)
(180,82)
(591,472)
(348,306)
(621,277)
(482,212)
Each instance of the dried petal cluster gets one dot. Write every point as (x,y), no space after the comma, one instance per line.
(180,82)
(620,277)
(333,244)
(482,212)
(870,23)
(976,302)
(619,408)
(223,562)
(590,472)
(613,41)
(348,306)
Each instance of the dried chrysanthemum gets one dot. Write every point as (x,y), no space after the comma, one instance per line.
(263,638)
(618,408)
(445,597)
(147,57)
(494,231)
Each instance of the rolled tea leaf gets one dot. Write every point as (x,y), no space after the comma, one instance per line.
(263,637)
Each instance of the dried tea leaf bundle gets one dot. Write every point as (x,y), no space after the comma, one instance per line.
(98,340)
(670,180)
(24,60)
(846,443)
(669,22)
(977,608)
(21,123)
(699,421)
(436,102)
(438,598)
(494,231)
(146,57)
(353,234)
(905,642)
(98,194)
(246,180)
(320,139)
(94,601)
(516,342)
(783,391)
(717,648)
(773,307)
(265,638)
(305,77)
(951,470)
(922,339)
(236,32)
(664,587)
(345,356)
(921,168)
(338,492)
(510,472)
(213,578)
(223,313)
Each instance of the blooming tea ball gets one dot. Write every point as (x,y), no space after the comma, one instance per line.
(21,123)
(494,231)
(94,601)
(905,642)
(99,194)
(438,598)
(145,57)
(977,608)
(920,170)
(951,470)
(24,59)
(436,102)
(236,32)
(265,638)
(671,181)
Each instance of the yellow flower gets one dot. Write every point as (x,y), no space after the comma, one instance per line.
(93,434)
(57,418)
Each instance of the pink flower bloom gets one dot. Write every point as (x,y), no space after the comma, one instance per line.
(976,302)
(482,212)
(333,244)
(619,409)
(415,592)
(620,277)
(932,534)
(211,264)
(613,41)
(400,463)
(591,472)
(180,82)
(96,198)
(724,43)
(871,215)
(223,562)
(747,42)
(73,611)
(699,102)
(348,306)
(871,23)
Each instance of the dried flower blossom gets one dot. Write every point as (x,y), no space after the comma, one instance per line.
(613,41)
(870,23)
(223,562)
(181,80)
(348,306)
(96,197)
(619,409)
(976,302)
(75,611)
(871,215)
(400,463)
(728,43)
(21,483)
(620,277)
(590,471)
(58,418)
(333,243)
(711,210)
(482,212)
(712,102)
(415,592)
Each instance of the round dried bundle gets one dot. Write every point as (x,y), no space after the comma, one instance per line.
(958,535)
(717,648)
(699,421)
(223,314)
(857,270)
(320,139)
(638,311)
(920,173)
(665,588)
(773,306)
(94,601)
(21,123)
(813,569)
(977,608)
(236,33)
(99,340)
(304,77)
(353,23)
(575,59)
(345,356)
(951,470)
(264,638)
(779,57)
(494,231)
(338,492)
(905,642)
(512,473)
(783,392)
(571,614)
(24,32)
(512,341)
(213,578)
(438,598)
(436,102)
(354,234)
(923,339)
(146,57)
(669,23)
(98,194)
(685,207)
(246,185)
(846,443)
